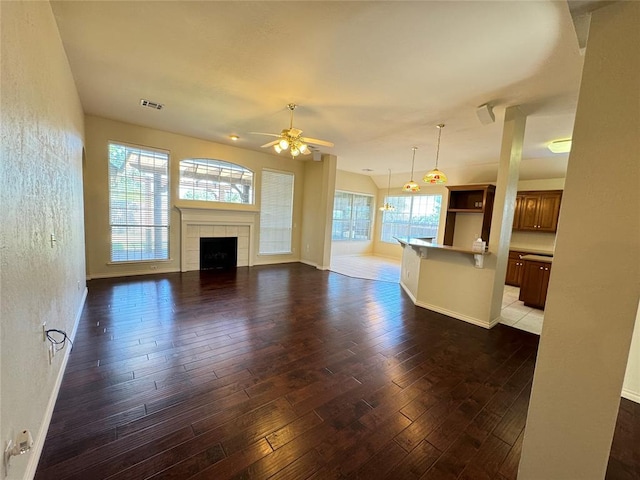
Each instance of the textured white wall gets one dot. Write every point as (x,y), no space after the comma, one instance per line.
(41,194)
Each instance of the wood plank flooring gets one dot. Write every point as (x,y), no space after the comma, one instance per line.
(288,372)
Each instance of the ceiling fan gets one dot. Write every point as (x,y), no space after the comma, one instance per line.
(291,139)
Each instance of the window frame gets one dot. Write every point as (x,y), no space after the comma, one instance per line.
(212,164)
(409,225)
(352,221)
(161,213)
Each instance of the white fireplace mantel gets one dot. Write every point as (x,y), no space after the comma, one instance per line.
(209,222)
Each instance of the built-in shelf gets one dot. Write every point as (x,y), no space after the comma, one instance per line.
(469,199)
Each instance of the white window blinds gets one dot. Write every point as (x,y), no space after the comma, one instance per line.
(138,203)
(276,213)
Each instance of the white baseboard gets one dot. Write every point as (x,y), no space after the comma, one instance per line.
(456,315)
(38,443)
(133,273)
(408,292)
(449,313)
(311,264)
(629,395)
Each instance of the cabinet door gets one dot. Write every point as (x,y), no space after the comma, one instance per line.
(545,285)
(513,269)
(516,213)
(528,219)
(532,282)
(548,211)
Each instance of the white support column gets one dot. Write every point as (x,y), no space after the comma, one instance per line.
(505,199)
(595,282)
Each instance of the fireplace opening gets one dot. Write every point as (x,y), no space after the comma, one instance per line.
(218,253)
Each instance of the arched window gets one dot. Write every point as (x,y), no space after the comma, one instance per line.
(215,181)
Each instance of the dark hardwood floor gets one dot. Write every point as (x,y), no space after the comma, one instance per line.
(288,372)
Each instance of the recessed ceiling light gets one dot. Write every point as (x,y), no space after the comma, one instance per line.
(235,138)
(560,146)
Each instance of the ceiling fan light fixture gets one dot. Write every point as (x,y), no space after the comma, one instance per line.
(411,186)
(291,139)
(435,176)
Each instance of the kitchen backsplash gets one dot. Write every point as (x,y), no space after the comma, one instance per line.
(533,240)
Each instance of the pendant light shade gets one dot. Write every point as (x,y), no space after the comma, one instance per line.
(411,186)
(435,176)
(387,207)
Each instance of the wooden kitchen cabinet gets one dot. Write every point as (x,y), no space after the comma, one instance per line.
(515,266)
(535,282)
(537,211)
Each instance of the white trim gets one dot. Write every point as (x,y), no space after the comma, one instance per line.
(38,443)
(456,315)
(408,292)
(132,273)
(450,313)
(311,264)
(629,395)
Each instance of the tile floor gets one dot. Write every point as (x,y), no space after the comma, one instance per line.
(514,312)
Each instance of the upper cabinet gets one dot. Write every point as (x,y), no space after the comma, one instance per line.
(469,199)
(537,211)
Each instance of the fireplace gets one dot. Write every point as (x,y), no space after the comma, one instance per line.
(200,223)
(218,253)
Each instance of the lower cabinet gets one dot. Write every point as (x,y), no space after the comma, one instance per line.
(514,268)
(535,281)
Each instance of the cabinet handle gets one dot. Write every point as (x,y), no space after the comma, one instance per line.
(541,268)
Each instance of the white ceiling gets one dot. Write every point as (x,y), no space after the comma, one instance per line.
(373,77)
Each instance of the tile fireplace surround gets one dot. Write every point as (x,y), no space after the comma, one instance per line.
(201,222)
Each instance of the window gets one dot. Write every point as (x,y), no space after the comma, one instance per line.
(215,181)
(351,217)
(415,216)
(138,203)
(276,212)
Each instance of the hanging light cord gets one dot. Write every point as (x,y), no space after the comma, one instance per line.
(389,183)
(413,160)
(438,147)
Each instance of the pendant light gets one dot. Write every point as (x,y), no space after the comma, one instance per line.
(411,186)
(435,176)
(387,207)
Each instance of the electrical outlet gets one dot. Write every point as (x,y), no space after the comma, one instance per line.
(44,331)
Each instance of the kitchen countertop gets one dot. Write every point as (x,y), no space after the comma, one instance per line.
(426,243)
(535,251)
(538,258)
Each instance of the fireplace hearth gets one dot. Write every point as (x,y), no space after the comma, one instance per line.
(218,253)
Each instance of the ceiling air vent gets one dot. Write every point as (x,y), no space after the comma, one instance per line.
(150,104)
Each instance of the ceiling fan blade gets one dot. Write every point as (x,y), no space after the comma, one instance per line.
(269,144)
(268,134)
(315,141)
